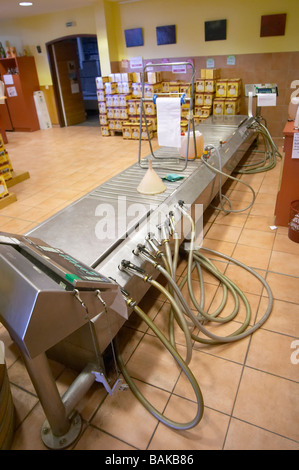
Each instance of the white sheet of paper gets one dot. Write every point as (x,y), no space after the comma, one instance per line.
(169,122)
(8,79)
(266,99)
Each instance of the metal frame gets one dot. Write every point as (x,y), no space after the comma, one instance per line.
(168,155)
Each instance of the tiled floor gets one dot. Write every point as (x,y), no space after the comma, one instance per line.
(250,387)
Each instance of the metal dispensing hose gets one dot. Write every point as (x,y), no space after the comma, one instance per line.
(182,312)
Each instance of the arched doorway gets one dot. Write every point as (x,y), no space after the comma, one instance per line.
(74,64)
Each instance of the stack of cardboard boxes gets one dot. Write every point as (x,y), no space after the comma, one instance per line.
(205,88)
(215,95)
(119,100)
(227,100)
(5,169)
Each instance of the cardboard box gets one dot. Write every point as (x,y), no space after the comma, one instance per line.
(116,113)
(3,157)
(154,77)
(5,171)
(137,77)
(165,87)
(234,86)
(109,101)
(206,111)
(212,74)
(208,99)
(124,99)
(115,100)
(132,106)
(101,95)
(126,87)
(105,131)
(124,114)
(111,88)
(149,107)
(221,88)
(127,130)
(103,119)
(218,106)
(199,99)
(231,106)
(185,89)
(102,107)
(3,187)
(200,86)
(119,87)
(136,89)
(210,86)
(150,89)
(100,82)
(127,77)
(174,87)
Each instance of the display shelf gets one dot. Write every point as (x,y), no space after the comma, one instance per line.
(21,81)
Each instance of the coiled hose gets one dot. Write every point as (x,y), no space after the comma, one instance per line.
(179,305)
(270,154)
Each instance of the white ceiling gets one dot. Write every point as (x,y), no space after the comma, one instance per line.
(10,9)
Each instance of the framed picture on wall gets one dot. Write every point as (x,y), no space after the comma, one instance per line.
(273,25)
(134,37)
(166,34)
(215,30)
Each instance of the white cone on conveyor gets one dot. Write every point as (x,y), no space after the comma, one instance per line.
(151,182)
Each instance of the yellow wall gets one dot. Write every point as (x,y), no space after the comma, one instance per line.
(109,20)
(243,26)
(38,30)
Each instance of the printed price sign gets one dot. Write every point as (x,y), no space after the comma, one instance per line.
(295,150)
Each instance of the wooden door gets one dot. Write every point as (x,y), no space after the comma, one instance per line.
(68,81)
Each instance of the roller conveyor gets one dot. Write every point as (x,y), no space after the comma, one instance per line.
(75,228)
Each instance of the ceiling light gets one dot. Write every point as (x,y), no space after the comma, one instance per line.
(25,4)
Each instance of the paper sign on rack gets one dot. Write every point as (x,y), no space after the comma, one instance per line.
(266,99)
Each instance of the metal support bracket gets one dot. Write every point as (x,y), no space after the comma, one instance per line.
(118,386)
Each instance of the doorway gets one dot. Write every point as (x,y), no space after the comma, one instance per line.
(74,64)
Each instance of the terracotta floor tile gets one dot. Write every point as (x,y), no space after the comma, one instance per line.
(218,380)
(269,342)
(260,222)
(285,263)
(252,256)
(119,414)
(209,434)
(256,238)
(94,439)
(244,436)
(259,402)
(224,233)
(283,244)
(284,287)
(284,317)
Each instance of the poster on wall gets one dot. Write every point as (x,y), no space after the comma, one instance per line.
(273,25)
(215,30)
(134,37)
(166,34)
